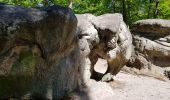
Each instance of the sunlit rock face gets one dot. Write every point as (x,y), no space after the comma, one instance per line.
(44,54)
(151,46)
(39,54)
(108,39)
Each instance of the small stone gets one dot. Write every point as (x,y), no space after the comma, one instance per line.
(107,78)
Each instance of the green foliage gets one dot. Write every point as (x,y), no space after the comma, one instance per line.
(60,2)
(164,9)
(96,7)
(25,3)
(132,10)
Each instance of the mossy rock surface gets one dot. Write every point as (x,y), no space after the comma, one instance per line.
(20,79)
(25,65)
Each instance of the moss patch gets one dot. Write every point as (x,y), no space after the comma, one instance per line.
(20,79)
(25,65)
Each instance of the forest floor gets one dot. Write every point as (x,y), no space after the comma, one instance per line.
(128,87)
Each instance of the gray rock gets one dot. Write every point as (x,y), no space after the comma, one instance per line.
(115,41)
(86,71)
(39,52)
(108,38)
(86,29)
(84,47)
(152,28)
(88,37)
(155,52)
(138,61)
(110,22)
(151,45)
(107,77)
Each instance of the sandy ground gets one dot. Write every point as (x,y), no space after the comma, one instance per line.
(141,88)
(129,87)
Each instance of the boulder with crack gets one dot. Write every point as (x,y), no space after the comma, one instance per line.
(109,39)
(151,45)
(88,37)
(39,54)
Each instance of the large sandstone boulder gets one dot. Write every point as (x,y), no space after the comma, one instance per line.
(88,36)
(151,45)
(115,41)
(152,28)
(44,55)
(39,54)
(109,39)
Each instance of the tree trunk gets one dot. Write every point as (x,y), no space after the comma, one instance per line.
(46,2)
(149,8)
(114,5)
(124,10)
(70,4)
(128,14)
(156,9)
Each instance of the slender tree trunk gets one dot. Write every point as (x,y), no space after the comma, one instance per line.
(70,4)
(114,5)
(156,9)
(149,9)
(128,14)
(124,10)
(45,2)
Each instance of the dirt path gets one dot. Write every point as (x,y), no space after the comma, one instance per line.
(129,87)
(141,88)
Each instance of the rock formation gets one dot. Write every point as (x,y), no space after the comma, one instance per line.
(107,38)
(44,55)
(151,45)
(38,52)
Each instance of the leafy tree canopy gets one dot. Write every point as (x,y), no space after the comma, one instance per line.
(132,10)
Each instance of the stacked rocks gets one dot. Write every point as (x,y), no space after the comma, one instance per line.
(108,42)
(151,45)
